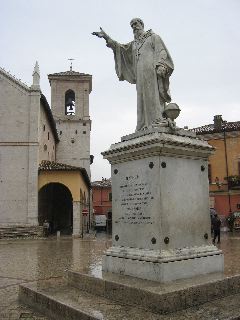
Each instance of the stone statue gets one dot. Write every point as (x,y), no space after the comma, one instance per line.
(147,63)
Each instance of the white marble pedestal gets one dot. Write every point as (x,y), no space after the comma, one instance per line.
(160,205)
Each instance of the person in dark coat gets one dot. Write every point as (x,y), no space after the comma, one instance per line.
(46,228)
(216,224)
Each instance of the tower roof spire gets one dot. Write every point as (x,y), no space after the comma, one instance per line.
(36,68)
(36,77)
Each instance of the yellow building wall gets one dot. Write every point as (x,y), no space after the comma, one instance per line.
(73,180)
(218,160)
(233,146)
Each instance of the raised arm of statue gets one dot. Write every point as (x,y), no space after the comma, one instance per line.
(102,34)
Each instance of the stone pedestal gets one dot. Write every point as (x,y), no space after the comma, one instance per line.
(160,203)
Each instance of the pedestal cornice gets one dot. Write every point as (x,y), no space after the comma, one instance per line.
(158,143)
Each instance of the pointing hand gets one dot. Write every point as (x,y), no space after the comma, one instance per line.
(101,34)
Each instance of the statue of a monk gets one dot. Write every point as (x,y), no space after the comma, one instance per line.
(147,63)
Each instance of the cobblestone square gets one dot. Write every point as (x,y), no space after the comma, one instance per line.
(24,261)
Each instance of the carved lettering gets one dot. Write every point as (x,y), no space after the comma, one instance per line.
(135,199)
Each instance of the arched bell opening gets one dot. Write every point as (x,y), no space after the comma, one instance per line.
(70,103)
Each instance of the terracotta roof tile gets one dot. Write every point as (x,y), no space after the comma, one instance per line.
(46,165)
(69,73)
(102,183)
(226,126)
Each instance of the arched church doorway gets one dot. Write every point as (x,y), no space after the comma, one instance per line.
(55,204)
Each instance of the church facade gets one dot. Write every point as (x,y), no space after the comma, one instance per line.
(45,152)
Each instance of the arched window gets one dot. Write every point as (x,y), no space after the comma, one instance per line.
(70,103)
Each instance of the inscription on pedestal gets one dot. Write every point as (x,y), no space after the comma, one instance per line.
(135,198)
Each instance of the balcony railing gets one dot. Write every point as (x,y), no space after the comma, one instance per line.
(233,182)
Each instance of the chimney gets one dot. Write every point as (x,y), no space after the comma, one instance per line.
(218,122)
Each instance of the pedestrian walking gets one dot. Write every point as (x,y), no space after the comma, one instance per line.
(216,223)
(45,228)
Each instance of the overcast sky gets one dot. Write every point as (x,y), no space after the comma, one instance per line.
(203,37)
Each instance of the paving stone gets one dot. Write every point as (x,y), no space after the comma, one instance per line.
(29,260)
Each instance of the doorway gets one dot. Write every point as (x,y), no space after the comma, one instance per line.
(55,204)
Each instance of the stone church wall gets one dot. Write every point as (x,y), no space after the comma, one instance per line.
(19,111)
(47,147)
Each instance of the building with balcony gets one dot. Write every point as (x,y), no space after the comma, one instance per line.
(224,164)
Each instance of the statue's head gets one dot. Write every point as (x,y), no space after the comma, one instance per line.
(136,24)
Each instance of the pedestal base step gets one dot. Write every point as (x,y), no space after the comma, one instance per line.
(65,303)
(164,271)
(125,298)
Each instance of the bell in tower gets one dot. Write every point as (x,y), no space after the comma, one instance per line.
(70,108)
(70,103)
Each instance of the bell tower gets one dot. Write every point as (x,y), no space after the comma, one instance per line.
(70,108)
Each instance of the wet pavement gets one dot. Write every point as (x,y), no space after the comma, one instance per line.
(23,261)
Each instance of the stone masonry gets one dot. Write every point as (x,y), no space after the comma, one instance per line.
(19,113)
(73,130)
